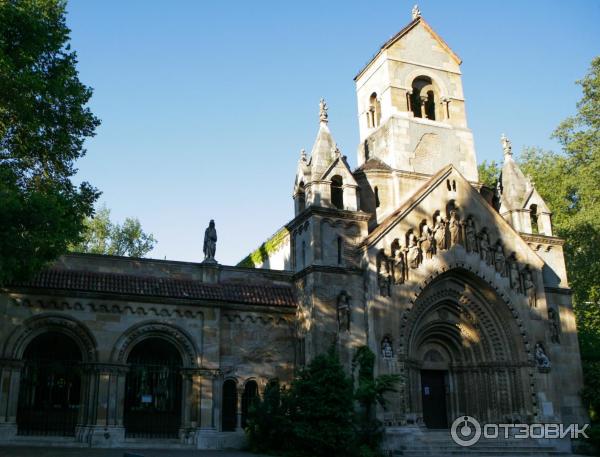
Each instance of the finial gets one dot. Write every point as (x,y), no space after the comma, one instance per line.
(303,155)
(416,12)
(336,151)
(506,146)
(323,116)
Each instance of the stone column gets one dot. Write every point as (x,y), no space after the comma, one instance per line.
(240,393)
(10,380)
(210,414)
(103,398)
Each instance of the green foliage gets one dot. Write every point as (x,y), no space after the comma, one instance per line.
(262,253)
(489,173)
(43,124)
(321,408)
(316,416)
(101,236)
(369,392)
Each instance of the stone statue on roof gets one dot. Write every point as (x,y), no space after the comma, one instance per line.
(506,145)
(323,116)
(210,242)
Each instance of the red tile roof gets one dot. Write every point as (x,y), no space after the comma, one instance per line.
(151,286)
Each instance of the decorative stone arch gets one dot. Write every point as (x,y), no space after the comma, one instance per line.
(20,338)
(410,77)
(493,378)
(180,339)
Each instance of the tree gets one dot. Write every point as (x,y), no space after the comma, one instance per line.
(369,392)
(489,173)
(44,122)
(101,236)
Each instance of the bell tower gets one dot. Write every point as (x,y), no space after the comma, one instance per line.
(411,106)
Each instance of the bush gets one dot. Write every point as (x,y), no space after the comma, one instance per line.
(316,416)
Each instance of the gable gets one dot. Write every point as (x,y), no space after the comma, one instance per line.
(339,167)
(446,188)
(413,43)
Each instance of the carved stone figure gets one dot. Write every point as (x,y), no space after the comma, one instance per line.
(343,312)
(439,233)
(383,275)
(454,228)
(323,116)
(414,252)
(427,242)
(387,351)
(500,260)
(554,322)
(470,236)
(529,287)
(210,242)
(399,267)
(416,12)
(506,145)
(513,273)
(541,359)
(484,247)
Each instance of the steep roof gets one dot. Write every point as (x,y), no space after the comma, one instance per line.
(374,163)
(398,36)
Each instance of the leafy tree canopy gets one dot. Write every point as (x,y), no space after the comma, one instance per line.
(44,122)
(101,236)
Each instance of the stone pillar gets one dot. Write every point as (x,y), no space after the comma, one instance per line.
(240,393)
(103,398)
(10,380)
(210,414)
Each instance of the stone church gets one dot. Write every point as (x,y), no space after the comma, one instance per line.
(458,288)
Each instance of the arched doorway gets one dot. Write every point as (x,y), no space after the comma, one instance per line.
(249,397)
(466,355)
(153,390)
(229,406)
(50,390)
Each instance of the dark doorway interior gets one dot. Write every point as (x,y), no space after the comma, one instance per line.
(153,390)
(229,406)
(249,397)
(433,392)
(50,392)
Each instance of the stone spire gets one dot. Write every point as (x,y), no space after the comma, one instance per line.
(323,116)
(416,12)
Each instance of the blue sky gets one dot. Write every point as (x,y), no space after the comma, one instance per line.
(206,105)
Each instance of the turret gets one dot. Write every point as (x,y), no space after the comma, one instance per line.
(520,203)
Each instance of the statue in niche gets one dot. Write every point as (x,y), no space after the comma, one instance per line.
(439,233)
(500,260)
(541,359)
(414,252)
(554,321)
(210,242)
(387,351)
(484,247)
(399,267)
(427,242)
(383,275)
(454,228)
(513,273)
(470,236)
(529,287)
(343,312)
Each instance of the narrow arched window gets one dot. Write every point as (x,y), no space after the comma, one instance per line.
(229,406)
(374,111)
(340,248)
(533,211)
(337,192)
(424,98)
(249,399)
(377,201)
(303,254)
(301,196)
